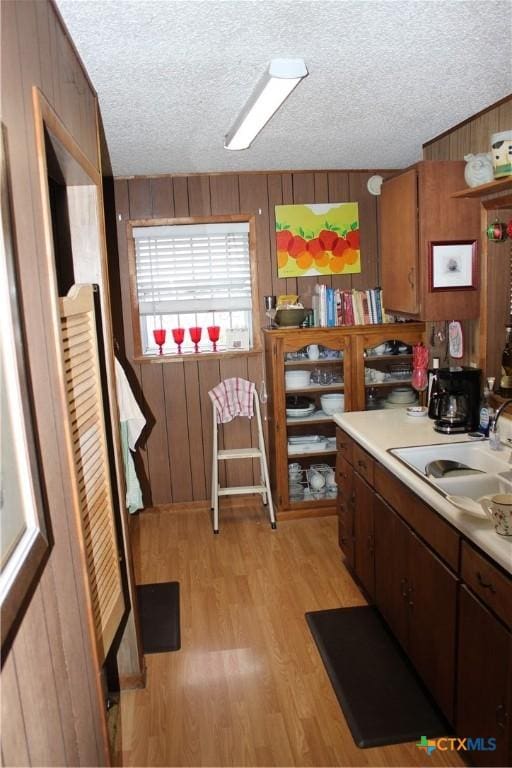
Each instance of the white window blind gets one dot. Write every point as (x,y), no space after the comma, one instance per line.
(205,267)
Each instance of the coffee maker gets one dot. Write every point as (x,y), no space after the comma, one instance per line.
(454,401)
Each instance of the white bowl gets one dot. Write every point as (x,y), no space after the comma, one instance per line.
(404,395)
(297,379)
(380,350)
(332,403)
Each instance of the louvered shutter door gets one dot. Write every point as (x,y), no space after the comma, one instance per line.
(93,488)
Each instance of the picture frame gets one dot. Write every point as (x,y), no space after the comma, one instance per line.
(453,265)
(25,544)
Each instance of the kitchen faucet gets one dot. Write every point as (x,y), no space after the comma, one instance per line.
(494,438)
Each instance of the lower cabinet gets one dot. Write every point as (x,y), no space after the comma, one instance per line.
(345,508)
(364,537)
(484,680)
(417,595)
(447,603)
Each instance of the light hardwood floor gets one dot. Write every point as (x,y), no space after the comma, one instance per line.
(248,687)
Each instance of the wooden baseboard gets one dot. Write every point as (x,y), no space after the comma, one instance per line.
(295,514)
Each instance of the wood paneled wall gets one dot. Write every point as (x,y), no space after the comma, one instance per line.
(176,458)
(473,136)
(51,714)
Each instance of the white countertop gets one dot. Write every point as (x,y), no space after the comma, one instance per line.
(379,430)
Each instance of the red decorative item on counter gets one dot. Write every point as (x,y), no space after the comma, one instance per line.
(195,335)
(509,229)
(159,335)
(178,335)
(419,379)
(213,335)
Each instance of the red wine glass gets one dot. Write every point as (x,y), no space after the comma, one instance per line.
(159,335)
(195,335)
(213,335)
(178,335)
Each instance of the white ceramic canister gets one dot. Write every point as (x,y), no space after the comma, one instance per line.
(313,352)
(501,148)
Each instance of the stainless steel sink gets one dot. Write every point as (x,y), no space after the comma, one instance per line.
(492,469)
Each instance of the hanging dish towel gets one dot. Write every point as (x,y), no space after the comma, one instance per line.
(231,398)
(132,423)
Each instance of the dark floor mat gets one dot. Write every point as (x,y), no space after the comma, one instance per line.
(382,698)
(159,611)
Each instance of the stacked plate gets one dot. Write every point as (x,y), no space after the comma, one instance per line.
(401,397)
(298,407)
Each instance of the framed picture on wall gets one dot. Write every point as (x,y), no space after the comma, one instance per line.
(24,543)
(452,265)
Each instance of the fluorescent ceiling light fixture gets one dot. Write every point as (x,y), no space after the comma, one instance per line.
(282,76)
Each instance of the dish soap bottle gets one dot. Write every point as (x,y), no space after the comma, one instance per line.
(486,409)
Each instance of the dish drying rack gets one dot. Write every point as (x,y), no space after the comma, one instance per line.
(308,492)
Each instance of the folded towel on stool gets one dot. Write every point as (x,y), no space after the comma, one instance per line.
(232,398)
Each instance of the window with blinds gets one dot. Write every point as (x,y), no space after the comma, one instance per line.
(192,275)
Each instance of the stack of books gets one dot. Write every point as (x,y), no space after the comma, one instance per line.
(335,306)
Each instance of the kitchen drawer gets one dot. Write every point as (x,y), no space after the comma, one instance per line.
(487,581)
(363,463)
(345,445)
(344,477)
(443,539)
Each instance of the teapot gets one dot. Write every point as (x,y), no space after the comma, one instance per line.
(498,508)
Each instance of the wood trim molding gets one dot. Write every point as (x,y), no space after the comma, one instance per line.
(257,346)
(45,115)
(469,119)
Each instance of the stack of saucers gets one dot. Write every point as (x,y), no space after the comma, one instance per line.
(401,397)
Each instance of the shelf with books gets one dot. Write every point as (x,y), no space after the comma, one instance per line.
(338,307)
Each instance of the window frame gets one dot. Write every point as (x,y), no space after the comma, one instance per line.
(138,354)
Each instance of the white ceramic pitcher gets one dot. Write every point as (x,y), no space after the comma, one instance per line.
(498,508)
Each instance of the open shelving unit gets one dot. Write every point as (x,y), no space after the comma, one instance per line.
(346,351)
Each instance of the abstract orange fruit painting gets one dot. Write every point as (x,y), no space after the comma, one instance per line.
(317,239)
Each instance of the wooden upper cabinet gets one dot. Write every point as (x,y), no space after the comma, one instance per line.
(399,243)
(417,209)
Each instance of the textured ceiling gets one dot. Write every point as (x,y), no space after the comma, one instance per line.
(385,76)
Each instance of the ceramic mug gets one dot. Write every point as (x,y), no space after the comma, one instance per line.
(313,352)
(499,508)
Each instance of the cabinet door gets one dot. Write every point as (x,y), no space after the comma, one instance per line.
(399,242)
(432,617)
(345,508)
(484,684)
(391,595)
(364,534)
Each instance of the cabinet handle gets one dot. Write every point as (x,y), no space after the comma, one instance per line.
(361,463)
(370,542)
(410,277)
(501,716)
(485,584)
(403,588)
(411,601)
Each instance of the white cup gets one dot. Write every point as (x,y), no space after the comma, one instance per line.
(313,352)
(499,509)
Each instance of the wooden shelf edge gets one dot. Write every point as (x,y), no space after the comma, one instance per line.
(296,514)
(498,185)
